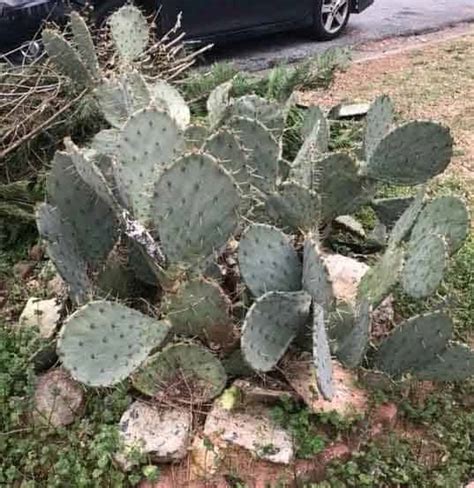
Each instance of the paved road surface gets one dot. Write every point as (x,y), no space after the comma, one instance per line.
(386,18)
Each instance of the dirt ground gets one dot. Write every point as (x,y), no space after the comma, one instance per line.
(435,81)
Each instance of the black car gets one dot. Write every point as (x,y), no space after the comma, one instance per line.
(202,19)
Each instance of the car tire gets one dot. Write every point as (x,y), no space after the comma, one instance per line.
(330,18)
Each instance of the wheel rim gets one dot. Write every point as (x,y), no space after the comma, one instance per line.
(334,14)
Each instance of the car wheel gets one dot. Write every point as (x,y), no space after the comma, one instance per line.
(330,18)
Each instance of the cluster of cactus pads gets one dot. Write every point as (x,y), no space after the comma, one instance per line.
(190,209)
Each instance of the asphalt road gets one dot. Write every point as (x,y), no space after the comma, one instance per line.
(386,18)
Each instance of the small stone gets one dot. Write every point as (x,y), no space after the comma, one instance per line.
(345,274)
(162,434)
(255,394)
(43,314)
(59,400)
(204,458)
(470,484)
(349,401)
(24,269)
(56,286)
(253,430)
(36,253)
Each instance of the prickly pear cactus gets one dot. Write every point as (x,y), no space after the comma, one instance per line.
(195,209)
(411,154)
(268,261)
(414,344)
(378,122)
(129,31)
(103,342)
(85,46)
(322,354)
(270,325)
(181,371)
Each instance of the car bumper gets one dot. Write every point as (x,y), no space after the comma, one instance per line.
(20,25)
(358,6)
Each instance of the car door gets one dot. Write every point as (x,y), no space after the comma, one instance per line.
(207,17)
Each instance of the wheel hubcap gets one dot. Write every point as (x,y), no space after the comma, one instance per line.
(334,14)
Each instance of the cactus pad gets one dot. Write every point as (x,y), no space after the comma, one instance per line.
(407,220)
(294,206)
(414,343)
(181,371)
(455,363)
(379,120)
(84,44)
(119,98)
(195,208)
(199,308)
(168,98)
(352,347)
(446,216)
(377,283)
(225,147)
(218,104)
(272,322)
(66,59)
(268,261)
(338,183)
(262,152)
(93,221)
(270,114)
(427,259)
(63,251)
(104,342)
(316,280)
(314,118)
(150,142)
(411,154)
(322,354)
(130,32)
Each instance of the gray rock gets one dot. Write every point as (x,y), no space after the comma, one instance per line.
(43,314)
(163,434)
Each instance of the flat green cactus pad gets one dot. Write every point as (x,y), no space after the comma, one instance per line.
(426,262)
(93,221)
(106,142)
(303,169)
(166,97)
(262,150)
(120,97)
(84,44)
(150,141)
(272,322)
(268,261)
(338,183)
(218,104)
(316,122)
(352,347)
(103,342)
(322,354)
(269,113)
(181,371)
(195,209)
(455,363)
(411,154)
(407,220)
(378,282)
(200,308)
(225,147)
(446,216)
(195,136)
(63,250)
(379,120)
(66,59)
(316,279)
(130,32)
(414,343)
(294,206)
